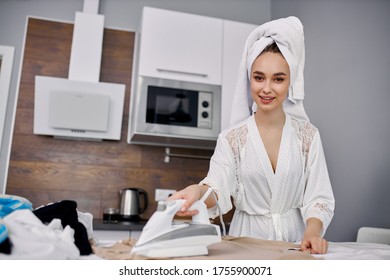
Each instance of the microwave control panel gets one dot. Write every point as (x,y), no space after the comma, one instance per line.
(205,106)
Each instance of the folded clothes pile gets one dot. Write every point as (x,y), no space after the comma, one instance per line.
(8,204)
(54,231)
(5,245)
(66,212)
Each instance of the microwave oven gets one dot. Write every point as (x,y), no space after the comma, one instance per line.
(173,113)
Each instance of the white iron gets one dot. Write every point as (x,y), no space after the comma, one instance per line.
(164,238)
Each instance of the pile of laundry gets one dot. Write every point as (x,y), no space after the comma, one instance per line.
(53,231)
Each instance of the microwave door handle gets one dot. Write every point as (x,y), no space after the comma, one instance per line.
(181,72)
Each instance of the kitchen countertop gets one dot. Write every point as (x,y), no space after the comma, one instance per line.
(98,224)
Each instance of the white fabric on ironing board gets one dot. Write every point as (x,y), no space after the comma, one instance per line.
(287,33)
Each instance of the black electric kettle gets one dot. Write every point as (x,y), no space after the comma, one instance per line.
(130,204)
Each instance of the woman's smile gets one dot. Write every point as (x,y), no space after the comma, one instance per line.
(266,99)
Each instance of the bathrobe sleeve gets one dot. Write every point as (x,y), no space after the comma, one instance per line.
(221,176)
(318,200)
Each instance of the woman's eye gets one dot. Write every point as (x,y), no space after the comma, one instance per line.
(258,78)
(279,80)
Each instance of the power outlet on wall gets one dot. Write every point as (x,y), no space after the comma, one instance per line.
(163,194)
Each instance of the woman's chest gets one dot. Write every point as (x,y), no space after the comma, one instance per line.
(256,164)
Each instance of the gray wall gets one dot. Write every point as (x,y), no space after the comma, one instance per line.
(347,97)
(347,88)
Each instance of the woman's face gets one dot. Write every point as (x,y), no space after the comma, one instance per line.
(270,80)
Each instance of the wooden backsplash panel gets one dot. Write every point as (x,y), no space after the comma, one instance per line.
(45,170)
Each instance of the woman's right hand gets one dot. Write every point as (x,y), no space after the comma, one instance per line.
(191,194)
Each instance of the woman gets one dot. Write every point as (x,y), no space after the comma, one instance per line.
(270,162)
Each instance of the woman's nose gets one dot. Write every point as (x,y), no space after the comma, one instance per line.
(267,88)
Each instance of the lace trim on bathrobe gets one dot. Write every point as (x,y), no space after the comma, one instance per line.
(305,132)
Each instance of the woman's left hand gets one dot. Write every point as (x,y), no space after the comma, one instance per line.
(314,245)
(312,241)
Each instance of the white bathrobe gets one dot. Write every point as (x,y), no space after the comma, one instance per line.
(273,206)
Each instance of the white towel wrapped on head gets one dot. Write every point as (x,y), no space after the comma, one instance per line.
(287,33)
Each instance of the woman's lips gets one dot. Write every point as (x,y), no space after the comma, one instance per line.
(266,99)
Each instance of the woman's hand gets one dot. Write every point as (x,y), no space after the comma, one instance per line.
(314,244)
(191,194)
(312,241)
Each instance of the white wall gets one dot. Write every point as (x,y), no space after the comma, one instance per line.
(347,97)
(6,64)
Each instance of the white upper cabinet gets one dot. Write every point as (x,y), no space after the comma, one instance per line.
(234,37)
(180,46)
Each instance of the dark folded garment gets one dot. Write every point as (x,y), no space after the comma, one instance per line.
(66,211)
(5,246)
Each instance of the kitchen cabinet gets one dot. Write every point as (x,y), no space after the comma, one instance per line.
(192,48)
(115,235)
(234,37)
(105,232)
(180,46)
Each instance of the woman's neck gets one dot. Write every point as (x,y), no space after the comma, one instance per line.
(270,119)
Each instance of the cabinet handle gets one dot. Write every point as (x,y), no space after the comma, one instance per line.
(182,72)
(168,155)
